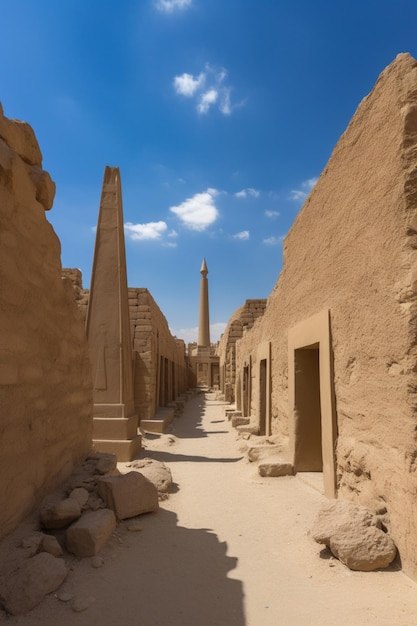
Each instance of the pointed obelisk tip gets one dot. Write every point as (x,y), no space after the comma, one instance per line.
(204,269)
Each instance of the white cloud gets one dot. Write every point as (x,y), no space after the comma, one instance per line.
(173,234)
(198,212)
(187,85)
(225,104)
(272,214)
(212,81)
(216,330)
(297,195)
(141,232)
(306,187)
(168,6)
(249,191)
(273,241)
(243,235)
(207,99)
(190,335)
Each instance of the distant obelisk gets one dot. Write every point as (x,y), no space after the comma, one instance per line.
(204,322)
(108,330)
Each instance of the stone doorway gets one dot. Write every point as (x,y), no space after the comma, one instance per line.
(262,397)
(246,391)
(313,423)
(308,456)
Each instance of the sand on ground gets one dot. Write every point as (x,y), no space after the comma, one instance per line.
(228,548)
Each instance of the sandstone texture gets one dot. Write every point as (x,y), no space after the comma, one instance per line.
(275,468)
(348,294)
(27,585)
(45,380)
(60,514)
(129,495)
(242,320)
(155,471)
(354,536)
(88,535)
(154,349)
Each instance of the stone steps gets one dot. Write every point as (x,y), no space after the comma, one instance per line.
(159,422)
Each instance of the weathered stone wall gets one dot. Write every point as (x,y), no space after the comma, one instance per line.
(45,380)
(160,368)
(241,321)
(352,251)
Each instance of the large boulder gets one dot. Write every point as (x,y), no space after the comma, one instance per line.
(27,585)
(129,495)
(366,549)
(354,536)
(156,471)
(88,535)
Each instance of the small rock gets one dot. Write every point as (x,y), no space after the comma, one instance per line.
(258,452)
(60,514)
(31,545)
(106,462)
(80,494)
(65,596)
(51,545)
(95,502)
(97,562)
(134,527)
(82,604)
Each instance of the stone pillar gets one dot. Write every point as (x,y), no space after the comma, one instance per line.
(204,323)
(108,330)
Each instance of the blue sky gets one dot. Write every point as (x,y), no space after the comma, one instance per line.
(220,114)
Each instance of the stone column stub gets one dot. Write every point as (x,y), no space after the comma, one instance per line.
(108,330)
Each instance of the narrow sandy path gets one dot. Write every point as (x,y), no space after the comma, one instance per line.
(227,549)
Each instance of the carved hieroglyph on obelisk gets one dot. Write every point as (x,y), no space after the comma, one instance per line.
(108,330)
(204,322)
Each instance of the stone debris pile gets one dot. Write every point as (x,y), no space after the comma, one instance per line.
(79,520)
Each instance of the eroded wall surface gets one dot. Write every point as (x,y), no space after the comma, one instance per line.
(45,380)
(241,321)
(160,369)
(352,251)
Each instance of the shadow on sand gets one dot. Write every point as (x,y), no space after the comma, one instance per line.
(165,575)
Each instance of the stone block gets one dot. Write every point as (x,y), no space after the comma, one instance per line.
(129,495)
(60,514)
(275,468)
(88,535)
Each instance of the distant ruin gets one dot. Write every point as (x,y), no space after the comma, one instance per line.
(202,357)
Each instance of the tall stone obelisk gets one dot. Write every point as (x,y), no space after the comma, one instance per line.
(115,423)
(204,321)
